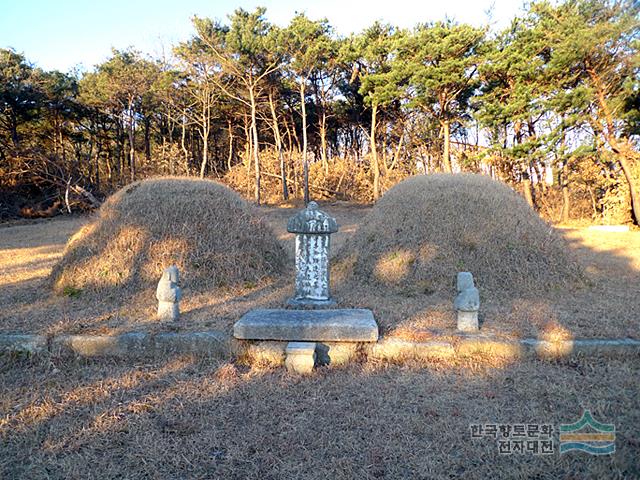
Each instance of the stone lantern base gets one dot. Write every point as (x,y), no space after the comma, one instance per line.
(311,302)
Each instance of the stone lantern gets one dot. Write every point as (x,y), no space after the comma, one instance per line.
(313,229)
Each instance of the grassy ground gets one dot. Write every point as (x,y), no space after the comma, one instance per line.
(189,419)
(606,307)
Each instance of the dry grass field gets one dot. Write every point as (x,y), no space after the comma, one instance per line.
(607,306)
(205,419)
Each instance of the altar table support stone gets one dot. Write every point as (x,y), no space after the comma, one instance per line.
(300,357)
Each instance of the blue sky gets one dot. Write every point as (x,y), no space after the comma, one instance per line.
(60,34)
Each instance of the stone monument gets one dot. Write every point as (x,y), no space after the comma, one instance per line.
(303,328)
(313,229)
(169,294)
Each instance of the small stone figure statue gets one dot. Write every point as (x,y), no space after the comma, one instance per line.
(467,303)
(169,294)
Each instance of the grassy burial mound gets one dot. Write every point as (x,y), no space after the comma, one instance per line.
(428,228)
(212,235)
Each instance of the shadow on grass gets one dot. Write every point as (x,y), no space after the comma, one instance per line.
(187,418)
(604,307)
(206,419)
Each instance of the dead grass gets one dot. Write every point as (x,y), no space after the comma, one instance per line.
(31,307)
(203,227)
(429,227)
(186,418)
(29,249)
(606,306)
(189,419)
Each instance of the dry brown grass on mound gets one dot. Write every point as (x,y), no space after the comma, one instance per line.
(205,228)
(428,228)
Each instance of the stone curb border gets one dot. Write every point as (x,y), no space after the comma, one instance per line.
(126,345)
(474,345)
(221,345)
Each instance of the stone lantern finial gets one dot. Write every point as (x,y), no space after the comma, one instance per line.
(313,228)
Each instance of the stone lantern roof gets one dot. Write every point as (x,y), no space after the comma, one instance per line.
(311,220)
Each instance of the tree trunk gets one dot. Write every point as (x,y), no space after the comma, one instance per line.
(374,153)
(635,205)
(247,144)
(147,139)
(132,154)
(295,133)
(323,141)
(13,126)
(256,158)
(305,161)
(205,155)
(278,139)
(109,168)
(526,185)
(216,154)
(132,143)
(98,168)
(382,163)
(565,192)
(446,155)
(594,204)
(183,143)
(290,160)
(620,146)
(541,175)
(283,173)
(397,153)
(206,128)
(230,156)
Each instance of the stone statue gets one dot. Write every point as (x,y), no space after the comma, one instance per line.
(169,294)
(467,303)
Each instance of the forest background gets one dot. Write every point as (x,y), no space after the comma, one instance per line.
(549,105)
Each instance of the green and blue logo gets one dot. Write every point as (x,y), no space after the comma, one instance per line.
(588,435)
